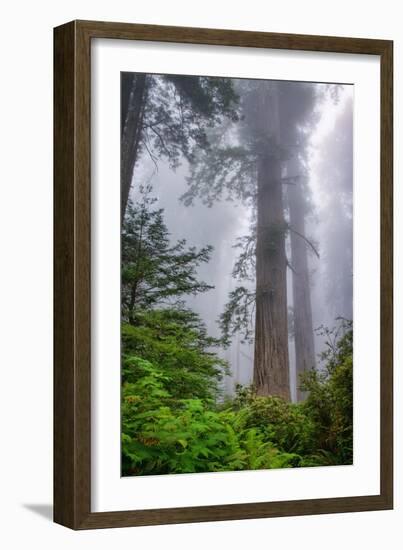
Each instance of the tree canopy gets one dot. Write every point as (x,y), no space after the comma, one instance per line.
(168,116)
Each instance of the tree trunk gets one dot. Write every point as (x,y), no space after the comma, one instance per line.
(134,93)
(271,367)
(303,329)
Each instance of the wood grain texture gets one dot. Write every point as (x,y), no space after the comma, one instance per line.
(64,383)
(72,263)
(72,301)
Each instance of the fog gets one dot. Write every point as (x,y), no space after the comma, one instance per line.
(328,150)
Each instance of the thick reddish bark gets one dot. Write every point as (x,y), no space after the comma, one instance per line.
(271,365)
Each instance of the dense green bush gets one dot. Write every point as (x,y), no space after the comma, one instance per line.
(284,424)
(176,341)
(330,398)
(172,423)
(164,436)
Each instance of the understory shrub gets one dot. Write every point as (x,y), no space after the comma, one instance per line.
(190,436)
(173,423)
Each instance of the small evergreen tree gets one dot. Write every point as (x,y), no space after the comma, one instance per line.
(176,341)
(154,272)
(157,326)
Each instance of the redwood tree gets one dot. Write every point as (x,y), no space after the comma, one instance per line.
(297,116)
(271,368)
(249,170)
(301,287)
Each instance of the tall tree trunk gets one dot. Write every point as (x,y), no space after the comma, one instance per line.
(134,93)
(271,366)
(303,328)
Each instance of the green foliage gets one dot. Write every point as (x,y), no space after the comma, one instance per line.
(330,399)
(284,424)
(155,272)
(237,316)
(173,417)
(177,112)
(161,435)
(171,422)
(176,341)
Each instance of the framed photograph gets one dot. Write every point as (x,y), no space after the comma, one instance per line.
(222,275)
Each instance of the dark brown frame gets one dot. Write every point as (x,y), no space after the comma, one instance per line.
(72,320)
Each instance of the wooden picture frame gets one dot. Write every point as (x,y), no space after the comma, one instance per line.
(72,269)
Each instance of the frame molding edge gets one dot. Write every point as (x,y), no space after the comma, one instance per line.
(72,252)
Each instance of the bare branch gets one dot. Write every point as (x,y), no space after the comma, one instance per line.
(290,266)
(306,240)
(152,157)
